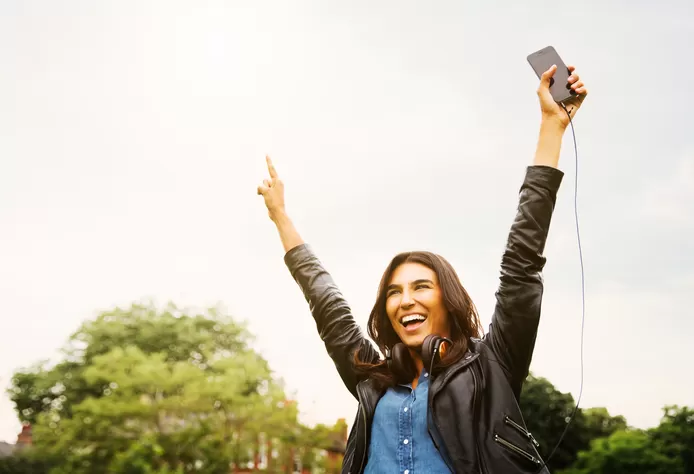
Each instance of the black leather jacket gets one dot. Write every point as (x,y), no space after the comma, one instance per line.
(473,410)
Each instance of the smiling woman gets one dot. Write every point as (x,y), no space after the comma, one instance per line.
(444,398)
(420,294)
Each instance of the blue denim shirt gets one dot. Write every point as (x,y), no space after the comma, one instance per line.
(400,441)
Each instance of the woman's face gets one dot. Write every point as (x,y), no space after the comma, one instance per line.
(414,304)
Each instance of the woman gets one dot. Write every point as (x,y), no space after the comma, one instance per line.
(465,418)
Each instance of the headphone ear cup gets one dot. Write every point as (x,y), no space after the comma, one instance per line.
(433,347)
(428,347)
(401,365)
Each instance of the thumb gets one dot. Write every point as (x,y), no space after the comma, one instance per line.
(262,190)
(546,78)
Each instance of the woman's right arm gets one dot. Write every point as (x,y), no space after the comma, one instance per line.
(334,321)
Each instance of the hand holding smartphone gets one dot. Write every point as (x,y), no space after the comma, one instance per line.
(541,61)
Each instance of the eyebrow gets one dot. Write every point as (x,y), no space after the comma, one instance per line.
(415,282)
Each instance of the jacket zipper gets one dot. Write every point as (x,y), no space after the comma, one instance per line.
(483,467)
(516,449)
(366,433)
(435,434)
(522,430)
(430,404)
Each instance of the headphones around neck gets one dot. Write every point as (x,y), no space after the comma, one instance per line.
(401,364)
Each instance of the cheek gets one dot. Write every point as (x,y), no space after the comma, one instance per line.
(391,308)
(438,307)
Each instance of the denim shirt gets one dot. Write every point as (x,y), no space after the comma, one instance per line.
(400,441)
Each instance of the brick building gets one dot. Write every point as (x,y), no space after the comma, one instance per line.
(23,440)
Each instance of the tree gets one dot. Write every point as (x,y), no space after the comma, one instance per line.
(156,392)
(667,448)
(598,423)
(675,435)
(547,411)
(623,452)
(27,462)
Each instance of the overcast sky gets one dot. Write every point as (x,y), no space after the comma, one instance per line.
(133,136)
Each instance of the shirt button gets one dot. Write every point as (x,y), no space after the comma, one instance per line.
(426,375)
(404,409)
(407,471)
(406,441)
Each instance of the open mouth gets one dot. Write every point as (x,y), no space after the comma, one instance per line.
(412,321)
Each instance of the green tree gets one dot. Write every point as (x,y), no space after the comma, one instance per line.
(547,411)
(675,435)
(27,462)
(149,391)
(667,448)
(598,423)
(624,452)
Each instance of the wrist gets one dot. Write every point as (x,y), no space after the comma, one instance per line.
(552,124)
(285,227)
(279,216)
(549,143)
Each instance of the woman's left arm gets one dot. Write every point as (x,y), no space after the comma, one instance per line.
(516,316)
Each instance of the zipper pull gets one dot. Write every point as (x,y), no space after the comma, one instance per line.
(532,438)
(522,430)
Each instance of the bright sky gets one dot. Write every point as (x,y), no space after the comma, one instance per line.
(133,135)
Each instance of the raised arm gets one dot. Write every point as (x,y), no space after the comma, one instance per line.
(334,321)
(516,316)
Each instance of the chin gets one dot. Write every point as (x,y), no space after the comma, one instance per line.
(414,341)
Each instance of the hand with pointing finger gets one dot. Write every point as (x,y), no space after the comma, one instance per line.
(272,191)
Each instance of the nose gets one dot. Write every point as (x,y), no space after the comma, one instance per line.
(406,301)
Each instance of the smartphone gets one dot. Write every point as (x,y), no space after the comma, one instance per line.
(542,60)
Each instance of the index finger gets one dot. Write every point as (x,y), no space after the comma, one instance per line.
(270,167)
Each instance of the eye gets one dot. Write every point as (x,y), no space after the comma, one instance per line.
(421,286)
(391,293)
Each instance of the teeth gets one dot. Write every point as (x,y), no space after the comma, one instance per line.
(412,317)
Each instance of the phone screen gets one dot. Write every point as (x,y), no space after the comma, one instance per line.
(542,60)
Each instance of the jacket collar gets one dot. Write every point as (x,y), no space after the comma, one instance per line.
(442,378)
(369,387)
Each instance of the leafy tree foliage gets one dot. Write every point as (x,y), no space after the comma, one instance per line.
(27,462)
(148,391)
(156,392)
(547,411)
(668,448)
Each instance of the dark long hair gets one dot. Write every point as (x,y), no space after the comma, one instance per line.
(463,318)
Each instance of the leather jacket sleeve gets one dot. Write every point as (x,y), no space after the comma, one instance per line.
(516,317)
(334,321)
